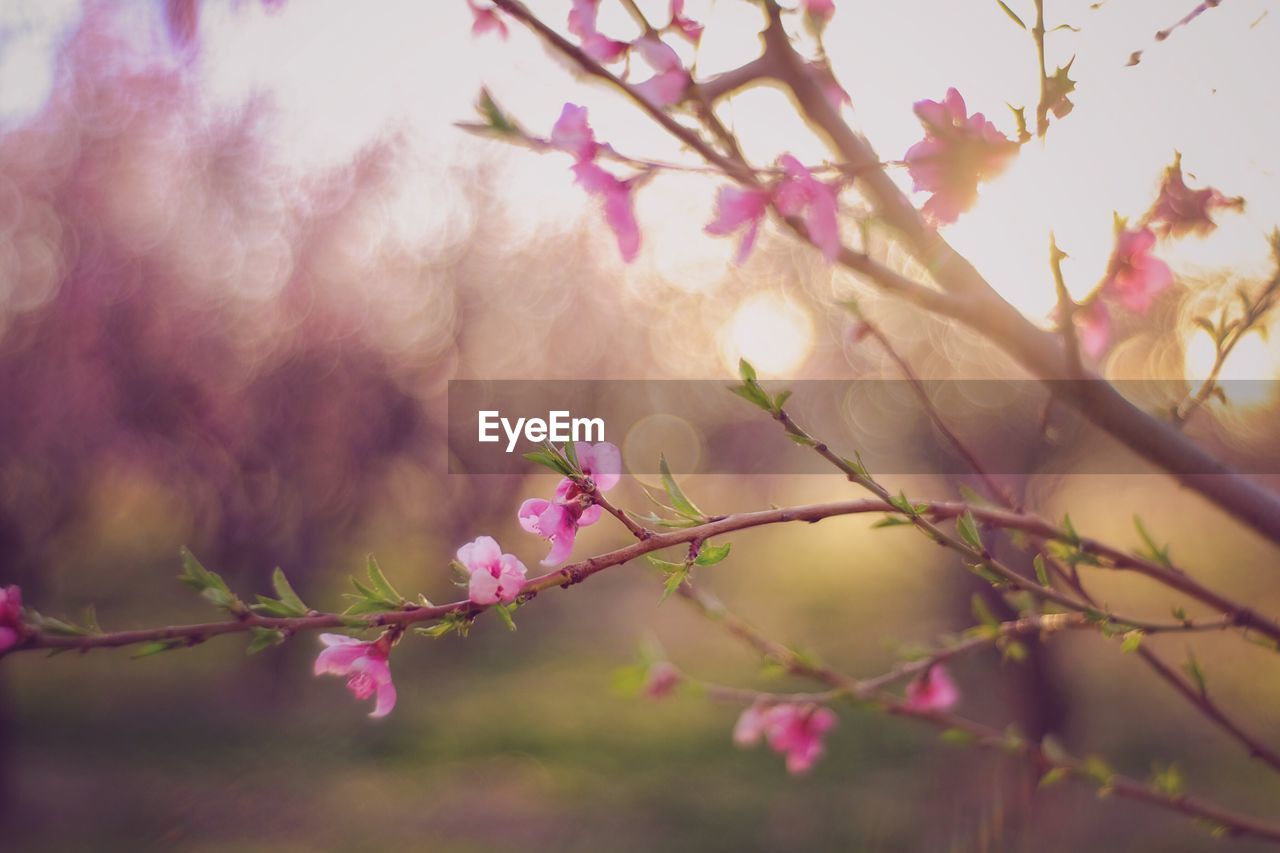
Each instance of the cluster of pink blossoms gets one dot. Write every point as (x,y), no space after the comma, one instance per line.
(1135,276)
(10,617)
(493,577)
(797,193)
(559,519)
(795,730)
(957,153)
(670,79)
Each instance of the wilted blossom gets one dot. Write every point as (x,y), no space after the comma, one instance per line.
(687,27)
(485,19)
(932,690)
(737,207)
(573,135)
(582,23)
(365,666)
(663,677)
(1134,276)
(957,153)
(495,576)
(1180,210)
(799,193)
(667,85)
(558,520)
(795,730)
(10,617)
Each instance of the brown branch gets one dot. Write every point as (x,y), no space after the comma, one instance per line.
(1236,824)
(579,571)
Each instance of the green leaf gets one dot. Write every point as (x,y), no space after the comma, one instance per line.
(679,502)
(1167,780)
(968,530)
(286,593)
(753,394)
(665,566)
(746,371)
(274,608)
(504,613)
(891,521)
(801,439)
(673,582)
(981,612)
(709,555)
(1131,641)
(1098,769)
(1013,16)
(1042,573)
(1054,776)
(156,648)
(550,460)
(380,582)
(263,638)
(956,736)
(1070,530)
(781,399)
(1195,673)
(1157,553)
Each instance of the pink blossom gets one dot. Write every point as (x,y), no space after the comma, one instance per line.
(663,677)
(1180,210)
(1134,276)
(558,520)
(364,664)
(958,151)
(819,12)
(666,87)
(736,207)
(687,27)
(795,730)
(799,193)
(495,576)
(1093,327)
(10,617)
(486,20)
(619,212)
(571,133)
(582,23)
(932,690)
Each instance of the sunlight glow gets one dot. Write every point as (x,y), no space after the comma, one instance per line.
(772,333)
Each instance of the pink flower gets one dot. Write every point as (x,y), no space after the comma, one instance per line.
(667,85)
(571,133)
(687,27)
(495,576)
(486,20)
(736,207)
(559,520)
(1093,327)
(619,211)
(582,23)
(1180,210)
(10,617)
(662,679)
(819,12)
(958,151)
(1134,276)
(801,194)
(364,664)
(933,690)
(795,730)
(602,462)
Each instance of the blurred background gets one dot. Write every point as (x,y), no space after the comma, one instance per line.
(243,249)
